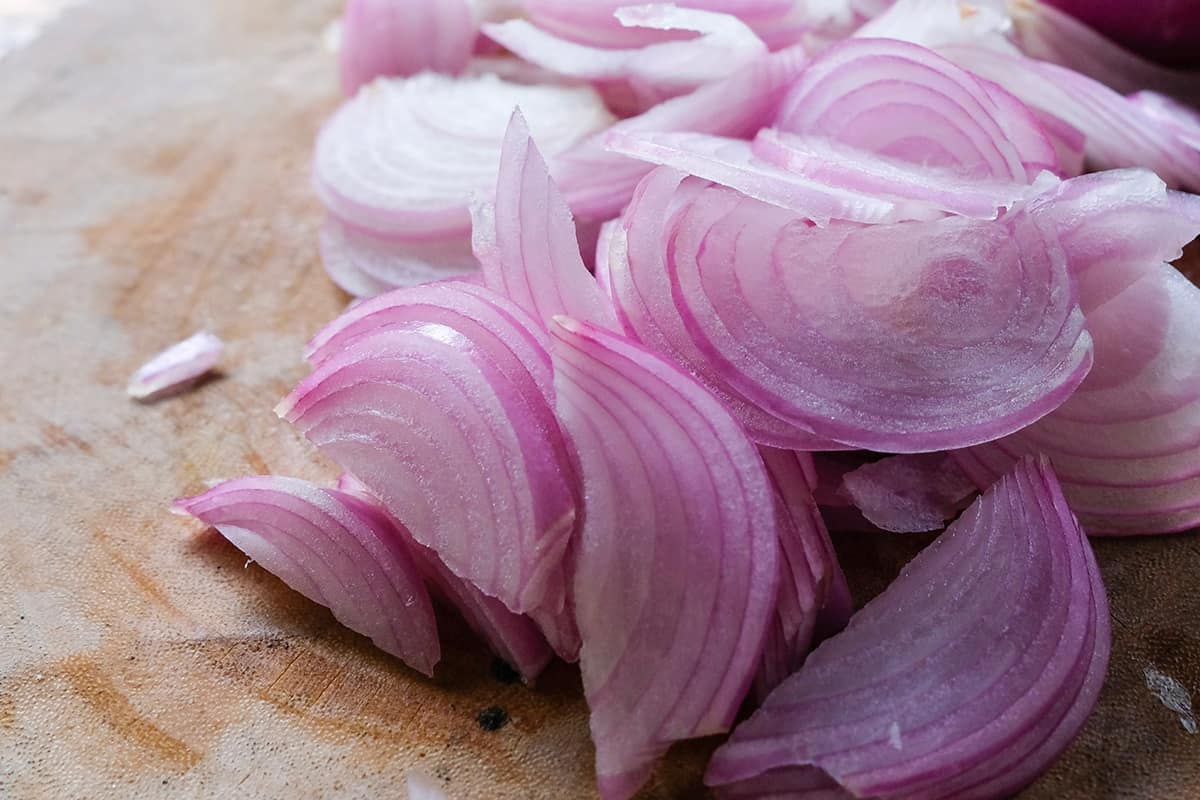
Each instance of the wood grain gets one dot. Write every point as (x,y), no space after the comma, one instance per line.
(153,181)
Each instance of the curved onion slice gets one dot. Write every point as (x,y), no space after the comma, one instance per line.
(902,100)
(676,572)
(180,365)
(651,73)
(910,493)
(404,155)
(900,338)
(365,265)
(814,600)
(966,678)
(512,637)
(333,548)
(832,163)
(526,240)
(933,23)
(404,37)
(1119,133)
(597,183)
(436,411)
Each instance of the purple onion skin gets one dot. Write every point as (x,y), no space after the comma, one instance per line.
(1166,31)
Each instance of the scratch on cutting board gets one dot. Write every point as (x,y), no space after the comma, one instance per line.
(1172,694)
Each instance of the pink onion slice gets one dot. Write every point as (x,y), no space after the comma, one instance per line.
(404,155)
(526,239)
(512,637)
(677,570)
(902,100)
(177,367)
(832,163)
(814,600)
(966,678)
(651,73)
(333,548)
(365,265)
(1118,132)
(894,338)
(598,183)
(441,418)
(910,493)
(404,37)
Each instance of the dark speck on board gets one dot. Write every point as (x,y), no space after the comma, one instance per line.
(504,672)
(492,718)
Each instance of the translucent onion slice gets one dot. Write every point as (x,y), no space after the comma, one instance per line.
(526,240)
(895,338)
(966,678)
(404,37)
(598,183)
(427,396)
(652,73)
(333,548)
(365,264)
(910,493)
(1119,133)
(177,367)
(404,155)
(513,637)
(902,100)
(677,572)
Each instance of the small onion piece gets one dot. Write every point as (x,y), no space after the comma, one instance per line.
(403,157)
(426,395)
(894,338)
(513,637)
(910,493)
(365,264)
(526,239)
(902,100)
(676,572)
(179,366)
(333,548)
(403,37)
(966,678)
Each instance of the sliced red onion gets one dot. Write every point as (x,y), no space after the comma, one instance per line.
(597,183)
(1119,133)
(404,37)
(333,548)
(965,678)
(1183,121)
(910,493)
(934,23)
(895,338)
(902,100)
(512,637)
(526,240)
(403,157)
(677,572)
(832,163)
(427,396)
(177,367)
(365,264)
(651,73)
(814,600)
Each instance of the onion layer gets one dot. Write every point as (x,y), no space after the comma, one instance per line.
(180,365)
(365,265)
(677,571)
(966,678)
(333,548)
(910,493)
(404,37)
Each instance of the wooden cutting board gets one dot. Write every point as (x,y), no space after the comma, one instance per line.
(153,182)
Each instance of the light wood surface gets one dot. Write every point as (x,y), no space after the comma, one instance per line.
(153,182)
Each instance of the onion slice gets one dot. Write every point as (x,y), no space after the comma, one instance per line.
(677,572)
(965,678)
(513,637)
(910,493)
(333,548)
(177,367)
(365,265)
(427,396)
(895,338)
(526,239)
(403,157)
